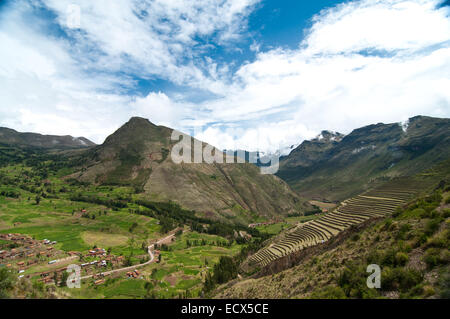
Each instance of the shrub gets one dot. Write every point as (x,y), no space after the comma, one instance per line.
(398,212)
(388,259)
(401,234)
(387,224)
(374,257)
(352,281)
(329,292)
(444,286)
(432,226)
(400,279)
(401,258)
(439,241)
(415,291)
(432,257)
(7,280)
(446,213)
(428,291)
(421,240)
(394,257)
(418,212)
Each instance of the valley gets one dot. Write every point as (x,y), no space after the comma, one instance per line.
(106,241)
(140,226)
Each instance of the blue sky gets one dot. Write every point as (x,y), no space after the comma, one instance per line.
(253,74)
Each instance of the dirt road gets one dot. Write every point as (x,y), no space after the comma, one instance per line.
(150,252)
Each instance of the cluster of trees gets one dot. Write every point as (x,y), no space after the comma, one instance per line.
(315,210)
(88,216)
(204,242)
(112,203)
(228,267)
(10,155)
(225,270)
(10,193)
(171,215)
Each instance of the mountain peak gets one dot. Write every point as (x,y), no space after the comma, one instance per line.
(136,120)
(138,130)
(327,136)
(138,155)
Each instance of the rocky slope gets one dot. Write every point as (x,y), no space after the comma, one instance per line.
(139,154)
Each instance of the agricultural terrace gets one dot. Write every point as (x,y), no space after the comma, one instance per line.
(378,202)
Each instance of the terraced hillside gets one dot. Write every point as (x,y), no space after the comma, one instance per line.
(378,202)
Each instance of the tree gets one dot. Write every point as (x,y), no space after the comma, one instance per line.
(38,199)
(7,281)
(209,283)
(64,277)
(128,262)
(225,270)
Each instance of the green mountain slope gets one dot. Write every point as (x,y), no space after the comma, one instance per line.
(138,154)
(338,168)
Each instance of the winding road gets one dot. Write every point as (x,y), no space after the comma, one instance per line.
(150,252)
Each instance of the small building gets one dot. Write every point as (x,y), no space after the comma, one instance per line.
(99,282)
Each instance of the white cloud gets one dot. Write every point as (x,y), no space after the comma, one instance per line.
(160,109)
(59,85)
(335,80)
(154,37)
(378,24)
(362,62)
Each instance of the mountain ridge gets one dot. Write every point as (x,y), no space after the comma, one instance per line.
(365,157)
(26,139)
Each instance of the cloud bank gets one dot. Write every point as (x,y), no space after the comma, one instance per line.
(361,62)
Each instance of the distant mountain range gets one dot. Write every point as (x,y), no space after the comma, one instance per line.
(334,167)
(11,137)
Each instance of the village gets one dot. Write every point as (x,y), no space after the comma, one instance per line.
(40,260)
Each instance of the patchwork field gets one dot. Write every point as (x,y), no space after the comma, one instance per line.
(106,217)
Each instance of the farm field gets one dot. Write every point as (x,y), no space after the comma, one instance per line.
(276,228)
(77,218)
(323,205)
(180,272)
